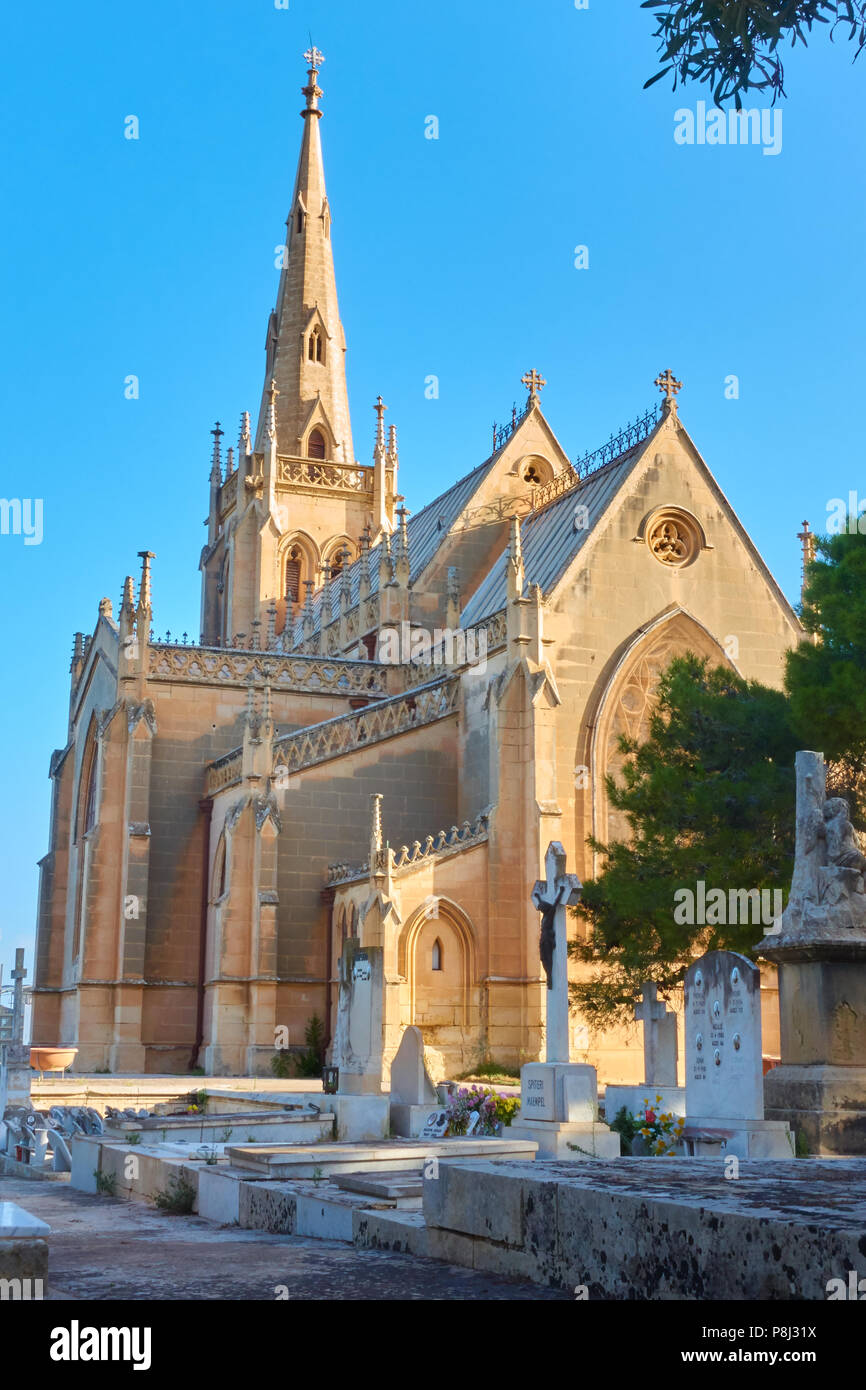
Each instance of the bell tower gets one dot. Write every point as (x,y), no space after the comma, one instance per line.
(294,502)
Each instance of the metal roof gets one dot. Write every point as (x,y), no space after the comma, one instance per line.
(426,530)
(552,537)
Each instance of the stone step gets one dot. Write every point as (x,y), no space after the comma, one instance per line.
(402,1188)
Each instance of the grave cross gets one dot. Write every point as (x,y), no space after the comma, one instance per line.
(659,1038)
(19,975)
(552,895)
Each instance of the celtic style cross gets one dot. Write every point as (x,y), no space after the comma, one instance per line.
(533,381)
(314,58)
(667,382)
(552,895)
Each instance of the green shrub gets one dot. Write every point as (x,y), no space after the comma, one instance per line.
(309,1060)
(106,1183)
(178,1196)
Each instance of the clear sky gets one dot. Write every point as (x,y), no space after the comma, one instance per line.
(455,258)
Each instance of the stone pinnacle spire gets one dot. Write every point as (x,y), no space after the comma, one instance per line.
(306,345)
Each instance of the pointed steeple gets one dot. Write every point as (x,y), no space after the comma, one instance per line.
(305,341)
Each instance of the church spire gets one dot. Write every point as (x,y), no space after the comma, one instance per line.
(305,342)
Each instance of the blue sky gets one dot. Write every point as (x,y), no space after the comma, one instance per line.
(454,257)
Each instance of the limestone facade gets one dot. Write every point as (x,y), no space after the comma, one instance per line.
(225,814)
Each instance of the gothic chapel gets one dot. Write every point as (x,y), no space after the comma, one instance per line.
(226,814)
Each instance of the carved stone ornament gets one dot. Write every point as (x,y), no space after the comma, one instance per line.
(673,538)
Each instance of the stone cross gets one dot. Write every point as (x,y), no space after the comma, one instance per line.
(19,974)
(314,58)
(659,1039)
(533,381)
(667,382)
(552,895)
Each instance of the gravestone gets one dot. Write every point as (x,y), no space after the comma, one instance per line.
(659,1087)
(820,950)
(358,1041)
(559,1098)
(412,1091)
(724,1062)
(435,1125)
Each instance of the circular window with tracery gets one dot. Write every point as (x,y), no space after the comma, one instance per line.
(673,538)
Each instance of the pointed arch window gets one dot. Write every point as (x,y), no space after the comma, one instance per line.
(316,445)
(300,220)
(294,574)
(88,803)
(316,347)
(438,956)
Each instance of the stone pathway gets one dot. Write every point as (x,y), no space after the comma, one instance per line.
(102,1248)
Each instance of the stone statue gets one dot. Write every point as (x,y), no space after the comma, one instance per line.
(828,890)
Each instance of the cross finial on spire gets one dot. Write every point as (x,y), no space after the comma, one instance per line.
(534,382)
(314,60)
(807,540)
(216,462)
(669,386)
(380,408)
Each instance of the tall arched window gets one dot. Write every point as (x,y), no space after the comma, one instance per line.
(300,223)
(316,348)
(293,575)
(88,803)
(220,870)
(436,961)
(316,445)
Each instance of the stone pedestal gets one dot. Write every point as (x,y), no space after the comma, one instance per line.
(820,1086)
(15,1076)
(559,1111)
(820,951)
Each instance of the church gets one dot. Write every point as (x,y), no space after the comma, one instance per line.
(388,716)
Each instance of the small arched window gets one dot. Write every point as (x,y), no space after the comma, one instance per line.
(300,223)
(316,445)
(316,347)
(436,963)
(293,575)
